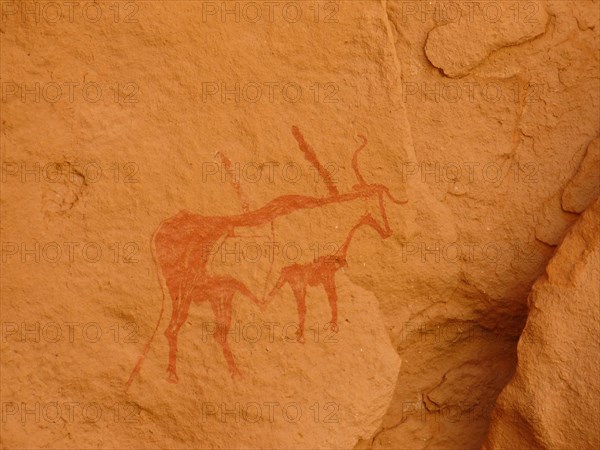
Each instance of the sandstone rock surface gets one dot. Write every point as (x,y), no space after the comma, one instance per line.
(552,401)
(125,115)
(495,148)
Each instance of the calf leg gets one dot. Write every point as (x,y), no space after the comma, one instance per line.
(299,289)
(330,289)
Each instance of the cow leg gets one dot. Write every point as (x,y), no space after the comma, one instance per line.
(222,308)
(178,318)
(299,289)
(172,341)
(330,289)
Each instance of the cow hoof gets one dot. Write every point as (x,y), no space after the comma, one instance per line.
(172,378)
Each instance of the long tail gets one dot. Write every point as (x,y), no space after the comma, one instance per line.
(136,370)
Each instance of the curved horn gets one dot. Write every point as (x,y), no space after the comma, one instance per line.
(359,177)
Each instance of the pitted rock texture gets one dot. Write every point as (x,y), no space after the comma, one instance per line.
(483,126)
(552,401)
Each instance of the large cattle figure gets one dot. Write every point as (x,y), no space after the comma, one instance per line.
(186,249)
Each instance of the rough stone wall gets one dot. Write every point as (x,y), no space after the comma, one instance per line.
(552,401)
(471,310)
(116,117)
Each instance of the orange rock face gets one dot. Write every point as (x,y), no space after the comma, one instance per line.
(552,401)
(287,224)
